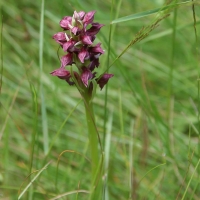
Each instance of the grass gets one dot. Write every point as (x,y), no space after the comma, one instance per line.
(151,122)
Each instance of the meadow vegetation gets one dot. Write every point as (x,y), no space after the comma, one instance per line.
(148,116)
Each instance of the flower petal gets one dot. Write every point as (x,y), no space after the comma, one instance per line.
(86,40)
(104,79)
(69,45)
(94,63)
(81,14)
(61,72)
(97,49)
(66,22)
(89,17)
(76,15)
(74,30)
(94,29)
(67,60)
(60,36)
(86,75)
(82,54)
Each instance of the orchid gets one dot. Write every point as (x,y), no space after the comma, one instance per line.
(78,41)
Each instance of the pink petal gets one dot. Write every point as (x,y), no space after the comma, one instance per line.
(94,29)
(86,40)
(74,30)
(67,60)
(68,45)
(86,75)
(76,15)
(82,54)
(97,49)
(104,79)
(60,36)
(89,17)
(64,23)
(94,63)
(81,14)
(61,72)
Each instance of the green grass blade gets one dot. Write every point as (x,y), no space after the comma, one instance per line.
(190,179)
(31,182)
(107,153)
(108,63)
(35,124)
(131,144)
(152,170)
(1,48)
(42,95)
(170,86)
(148,12)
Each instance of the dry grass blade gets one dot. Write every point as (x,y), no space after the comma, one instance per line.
(71,192)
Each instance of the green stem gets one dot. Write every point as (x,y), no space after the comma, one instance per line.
(94,151)
(93,139)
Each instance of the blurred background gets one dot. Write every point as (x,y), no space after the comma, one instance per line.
(151,130)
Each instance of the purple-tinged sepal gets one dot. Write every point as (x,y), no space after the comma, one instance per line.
(86,76)
(83,54)
(97,49)
(94,63)
(63,74)
(66,22)
(89,17)
(94,29)
(103,80)
(67,60)
(69,46)
(86,40)
(60,37)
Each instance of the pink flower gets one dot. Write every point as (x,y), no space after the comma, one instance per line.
(78,41)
